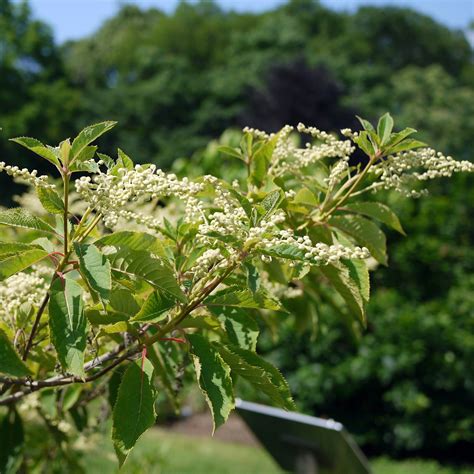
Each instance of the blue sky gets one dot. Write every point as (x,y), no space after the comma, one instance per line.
(73,19)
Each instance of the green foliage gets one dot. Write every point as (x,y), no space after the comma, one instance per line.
(11,363)
(11,442)
(213,376)
(134,408)
(95,269)
(19,217)
(170,99)
(398,375)
(67,324)
(15,262)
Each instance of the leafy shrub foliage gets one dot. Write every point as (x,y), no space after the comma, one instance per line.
(404,387)
(188,271)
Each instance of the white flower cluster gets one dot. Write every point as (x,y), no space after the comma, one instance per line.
(229,218)
(288,158)
(209,261)
(338,171)
(24,174)
(109,194)
(314,254)
(23,288)
(401,172)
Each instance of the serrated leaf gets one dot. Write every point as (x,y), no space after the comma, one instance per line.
(261,374)
(213,376)
(12,439)
(135,241)
(140,264)
(384,128)
(242,299)
(288,251)
(87,136)
(359,273)
(37,147)
(155,307)
(20,261)
(339,275)
(271,201)
(10,248)
(67,324)
(240,327)
(19,217)
(365,233)
(95,268)
(134,409)
(378,211)
(50,200)
(10,362)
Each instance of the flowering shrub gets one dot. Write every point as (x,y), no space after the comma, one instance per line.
(159,276)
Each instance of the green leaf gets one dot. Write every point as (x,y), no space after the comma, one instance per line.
(271,202)
(87,136)
(12,439)
(242,299)
(359,273)
(95,268)
(50,200)
(123,160)
(240,327)
(365,144)
(405,145)
(253,277)
(37,147)
(340,277)
(378,211)
(109,162)
(18,217)
(261,374)
(398,137)
(134,409)
(10,248)
(20,261)
(288,251)
(140,264)
(10,362)
(213,376)
(122,301)
(365,233)
(260,161)
(67,324)
(384,128)
(134,241)
(155,307)
(228,150)
(366,124)
(114,385)
(306,197)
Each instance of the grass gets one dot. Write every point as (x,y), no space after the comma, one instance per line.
(161,452)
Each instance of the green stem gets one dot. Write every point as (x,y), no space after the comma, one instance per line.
(66,177)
